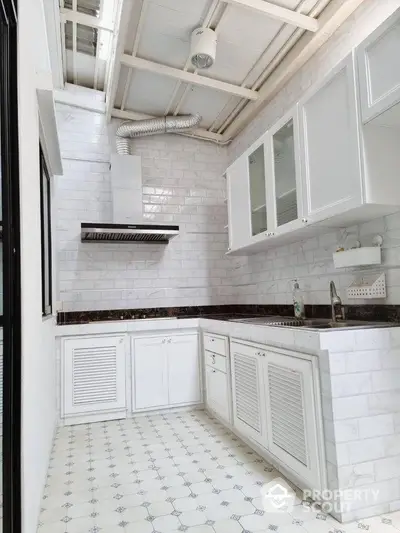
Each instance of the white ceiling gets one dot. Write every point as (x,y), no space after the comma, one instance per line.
(247,42)
(145,36)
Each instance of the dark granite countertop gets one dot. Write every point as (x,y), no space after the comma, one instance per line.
(377,313)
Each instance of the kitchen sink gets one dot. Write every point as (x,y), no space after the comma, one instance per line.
(310,323)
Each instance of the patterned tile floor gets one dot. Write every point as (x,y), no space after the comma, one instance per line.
(179,472)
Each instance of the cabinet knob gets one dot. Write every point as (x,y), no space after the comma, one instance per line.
(304,220)
(213,371)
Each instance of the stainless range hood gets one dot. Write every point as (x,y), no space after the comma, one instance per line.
(127,204)
(148,233)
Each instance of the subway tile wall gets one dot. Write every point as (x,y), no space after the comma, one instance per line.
(182,184)
(267,277)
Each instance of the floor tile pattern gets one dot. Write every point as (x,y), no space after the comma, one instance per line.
(169,473)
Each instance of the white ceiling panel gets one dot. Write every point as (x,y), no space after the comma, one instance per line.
(246,29)
(149,93)
(206,102)
(162,20)
(164,49)
(248,44)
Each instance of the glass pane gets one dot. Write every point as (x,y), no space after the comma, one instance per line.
(257,191)
(285,174)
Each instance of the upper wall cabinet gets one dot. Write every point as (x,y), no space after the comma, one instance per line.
(331,164)
(379,69)
(258,190)
(238,204)
(284,173)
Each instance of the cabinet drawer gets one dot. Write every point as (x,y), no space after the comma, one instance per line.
(216,361)
(215,344)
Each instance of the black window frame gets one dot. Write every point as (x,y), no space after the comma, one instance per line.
(45,229)
(11,463)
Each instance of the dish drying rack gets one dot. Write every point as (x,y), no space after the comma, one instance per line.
(368,286)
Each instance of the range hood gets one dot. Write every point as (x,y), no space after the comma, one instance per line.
(92,232)
(127,202)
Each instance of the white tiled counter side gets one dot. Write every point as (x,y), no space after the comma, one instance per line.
(360,388)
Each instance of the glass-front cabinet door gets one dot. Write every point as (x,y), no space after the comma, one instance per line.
(258,191)
(285,169)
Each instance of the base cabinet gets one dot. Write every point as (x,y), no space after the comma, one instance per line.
(275,403)
(249,415)
(150,373)
(93,376)
(218,392)
(292,415)
(165,371)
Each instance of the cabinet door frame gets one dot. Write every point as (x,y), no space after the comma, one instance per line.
(297,223)
(67,410)
(316,476)
(351,202)
(243,218)
(169,345)
(134,338)
(261,141)
(372,108)
(260,438)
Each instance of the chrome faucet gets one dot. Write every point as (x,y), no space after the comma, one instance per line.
(335,301)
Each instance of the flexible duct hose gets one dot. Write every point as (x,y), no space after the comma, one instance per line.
(152,126)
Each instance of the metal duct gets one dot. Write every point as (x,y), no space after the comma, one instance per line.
(152,126)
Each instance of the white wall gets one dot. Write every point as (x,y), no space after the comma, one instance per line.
(267,277)
(38,346)
(182,184)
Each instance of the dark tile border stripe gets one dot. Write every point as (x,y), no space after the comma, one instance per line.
(379,313)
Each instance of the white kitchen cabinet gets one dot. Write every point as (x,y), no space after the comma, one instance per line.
(150,372)
(258,189)
(217,392)
(93,377)
(248,393)
(217,375)
(331,162)
(238,204)
(379,69)
(183,369)
(283,156)
(293,416)
(165,371)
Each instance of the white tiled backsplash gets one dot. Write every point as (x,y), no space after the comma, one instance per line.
(183,184)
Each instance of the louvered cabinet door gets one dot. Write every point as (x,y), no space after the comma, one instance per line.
(94,375)
(249,415)
(292,415)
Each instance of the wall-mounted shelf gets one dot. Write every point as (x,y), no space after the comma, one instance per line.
(371,255)
(368,287)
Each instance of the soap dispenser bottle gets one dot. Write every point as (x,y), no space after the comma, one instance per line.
(298,301)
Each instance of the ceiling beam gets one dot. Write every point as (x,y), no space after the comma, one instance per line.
(198,133)
(188,77)
(280,13)
(121,27)
(82,18)
(334,15)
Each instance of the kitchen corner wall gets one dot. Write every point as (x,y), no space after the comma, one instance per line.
(267,277)
(182,184)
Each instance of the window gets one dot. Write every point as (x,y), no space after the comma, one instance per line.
(45,212)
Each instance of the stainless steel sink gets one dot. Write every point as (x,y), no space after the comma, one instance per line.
(312,323)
